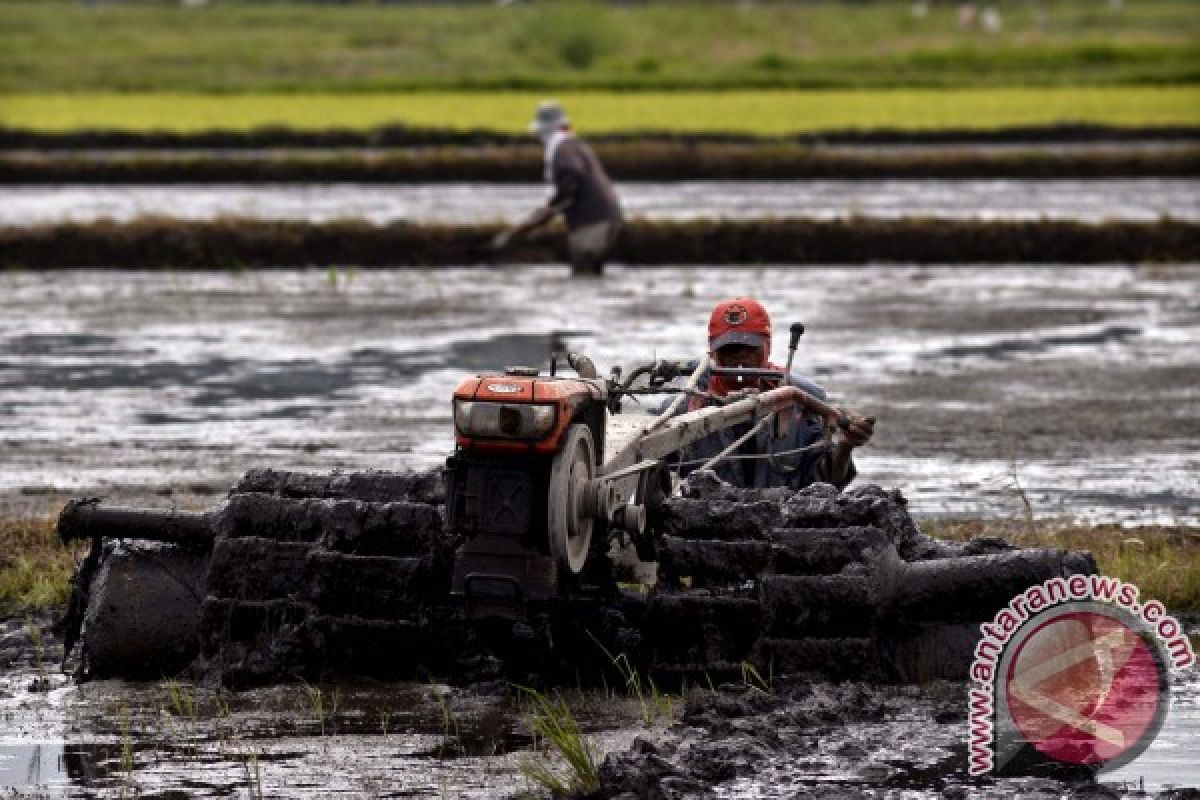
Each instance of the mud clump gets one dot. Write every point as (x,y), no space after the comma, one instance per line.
(373,486)
(843,585)
(397,135)
(291,578)
(314,577)
(647,158)
(166,243)
(28,639)
(815,739)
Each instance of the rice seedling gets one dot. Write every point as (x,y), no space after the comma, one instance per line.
(128,786)
(451,735)
(775,111)
(335,705)
(754,680)
(250,764)
(42,682)
(552,724)
(183,700)
(653,703)
(223,722)
(661,703)
(316,702)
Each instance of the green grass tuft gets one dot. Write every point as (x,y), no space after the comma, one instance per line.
(35,569)
(182,699)
(552,723)
(754,680)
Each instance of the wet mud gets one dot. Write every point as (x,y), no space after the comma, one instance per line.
(405,136)
(275,587)
(176,739)
(794,737)
(461,203)
(847,589)
(812,739)
(819,714)
(164,243)
(1072,387)
(625,161)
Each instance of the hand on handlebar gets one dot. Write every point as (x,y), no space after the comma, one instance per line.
(858,430)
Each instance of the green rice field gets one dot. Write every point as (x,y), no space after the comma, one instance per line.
(232,46)
(762,111)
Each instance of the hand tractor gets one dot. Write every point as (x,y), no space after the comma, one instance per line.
(553,543)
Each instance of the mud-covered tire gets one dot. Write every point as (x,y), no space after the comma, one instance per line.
(143,612)
(313,587)
(844,585)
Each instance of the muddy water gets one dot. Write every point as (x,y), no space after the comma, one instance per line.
(1141,199)
(165,739)
(1073,390)
(115,739)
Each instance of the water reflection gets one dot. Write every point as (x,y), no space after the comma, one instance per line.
(1072,386)
(1131,199)
(33,764)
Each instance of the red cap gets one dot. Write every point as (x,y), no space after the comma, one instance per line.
(741,320)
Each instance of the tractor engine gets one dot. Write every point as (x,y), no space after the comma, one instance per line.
(527,449)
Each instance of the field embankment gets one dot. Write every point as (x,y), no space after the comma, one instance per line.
(166,243)
(385,136)
(632,160)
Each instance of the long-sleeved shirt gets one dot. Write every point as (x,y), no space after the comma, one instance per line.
(797,470)
(582,189)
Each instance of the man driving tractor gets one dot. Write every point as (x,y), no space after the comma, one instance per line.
(739,343)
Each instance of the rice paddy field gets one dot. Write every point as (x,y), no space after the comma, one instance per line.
(1004,270)
(748,67)
(775,111)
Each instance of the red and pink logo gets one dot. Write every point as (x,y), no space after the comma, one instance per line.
(1086,688)
(1074,670)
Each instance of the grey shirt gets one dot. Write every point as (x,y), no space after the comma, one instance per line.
(582,189)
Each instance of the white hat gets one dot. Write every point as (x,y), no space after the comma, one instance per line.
(550,117)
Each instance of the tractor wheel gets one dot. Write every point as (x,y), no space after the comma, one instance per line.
(569,527)
(143,611)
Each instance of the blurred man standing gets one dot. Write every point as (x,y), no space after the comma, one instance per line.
(583,194)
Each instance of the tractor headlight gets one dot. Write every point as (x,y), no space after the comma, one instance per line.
(504,420)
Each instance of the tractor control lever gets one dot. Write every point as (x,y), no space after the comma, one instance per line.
(582,365)
(797,330)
